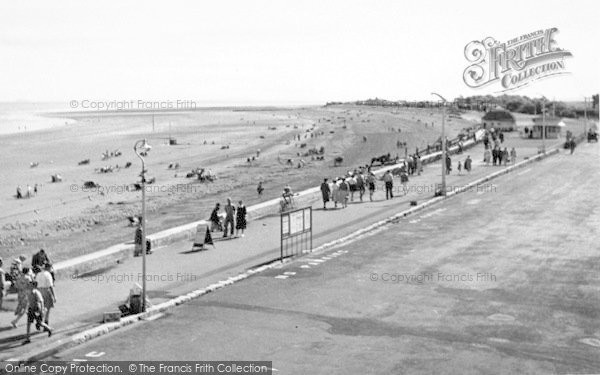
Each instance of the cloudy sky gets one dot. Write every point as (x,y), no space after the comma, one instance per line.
(278,51)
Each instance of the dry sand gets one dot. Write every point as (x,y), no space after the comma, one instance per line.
(69,222)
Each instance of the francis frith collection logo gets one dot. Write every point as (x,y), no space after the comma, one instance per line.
(514,63)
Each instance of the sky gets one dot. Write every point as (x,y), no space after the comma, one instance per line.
(258,51)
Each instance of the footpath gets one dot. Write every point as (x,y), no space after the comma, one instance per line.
(173,270)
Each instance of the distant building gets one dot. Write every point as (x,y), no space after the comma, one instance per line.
(499,119)
(552,127)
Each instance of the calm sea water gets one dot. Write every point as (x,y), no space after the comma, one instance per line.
(20,117)
(25,117)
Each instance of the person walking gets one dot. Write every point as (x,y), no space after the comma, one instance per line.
(459,167)
(404,181)
(259,188)
(35,312)
(240,219)
(325,193)
(46,287)
(388,179)
(215,219)
(22,284)
(505,156)
(229,214)
(360,184)
(19,193)
(419,165)
(2,283)
(335,192)
(448,164)
(351,180)
(371,184)
(468,162)
(344,192)
(40,259)
(513,155)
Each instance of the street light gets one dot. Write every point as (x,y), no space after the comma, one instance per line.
(141,148)
(443,143)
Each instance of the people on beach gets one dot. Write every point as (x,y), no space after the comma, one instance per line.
(240,219)
(215,219)
(325,193)
(229,214)
(35,312)
(388,179)
(259,188)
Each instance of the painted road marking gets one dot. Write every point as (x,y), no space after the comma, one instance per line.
(326,258)
(281,277)
(313,264)
(591,341)
(95,354)
(289,273)
(414,221)
(523,172)
(315,260)
(304,266)
(474,201)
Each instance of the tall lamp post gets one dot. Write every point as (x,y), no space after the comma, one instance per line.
(443,143)
(141,147)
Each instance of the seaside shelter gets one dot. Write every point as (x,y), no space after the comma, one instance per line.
(499,119)
(551,126)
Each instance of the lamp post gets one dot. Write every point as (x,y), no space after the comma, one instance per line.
(142,147)
(443,143)
(544,125)
(584,115)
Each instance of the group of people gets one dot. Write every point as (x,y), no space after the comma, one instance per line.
(234,217)
(499,157)
(342,189)
(28,193)
(467,165)
(35,291)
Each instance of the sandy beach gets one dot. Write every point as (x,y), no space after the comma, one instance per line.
(69,220)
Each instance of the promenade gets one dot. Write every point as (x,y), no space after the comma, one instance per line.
(174,270)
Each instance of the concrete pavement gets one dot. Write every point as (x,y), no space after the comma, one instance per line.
(497,283)
(174,270)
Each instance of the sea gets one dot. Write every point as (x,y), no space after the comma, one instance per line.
(21,117)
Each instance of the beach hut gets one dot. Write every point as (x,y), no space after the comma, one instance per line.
(499,119)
